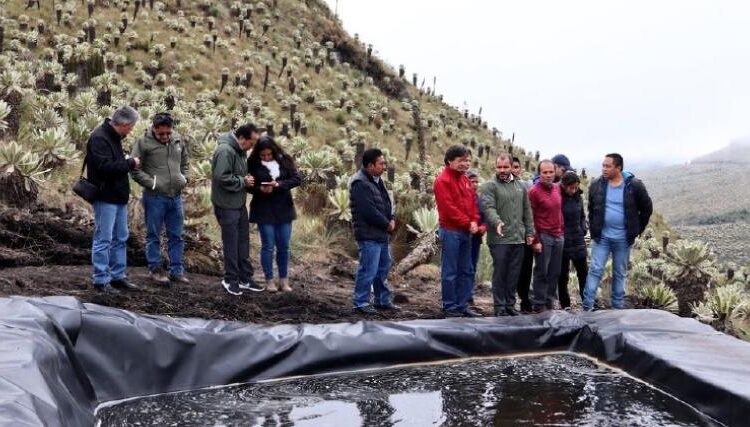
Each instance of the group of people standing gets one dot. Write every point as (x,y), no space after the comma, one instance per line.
(158,162)
(541,223)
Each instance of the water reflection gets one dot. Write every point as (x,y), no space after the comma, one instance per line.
(556,390)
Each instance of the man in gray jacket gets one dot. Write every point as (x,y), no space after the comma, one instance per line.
(163,175)
(510,227)
(229,185)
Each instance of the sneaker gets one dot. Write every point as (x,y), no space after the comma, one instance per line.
(252,286)
(181,279)
(106,288)
(232,288)
(285,285)
(124,285)
(159,277)
(367,309)
(271,286)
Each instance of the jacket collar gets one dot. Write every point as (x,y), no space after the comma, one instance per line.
(232,142)
(453,173)
(107,126)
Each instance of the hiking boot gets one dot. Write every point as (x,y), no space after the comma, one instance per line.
(181,279)
(367,309)
(285,285)
(124,285)
(232,288)
(159,277)
(251,285)
(387,307)
(271,286)
(510,311)
(471,313)
(500,312)
(107,289)
(540,309)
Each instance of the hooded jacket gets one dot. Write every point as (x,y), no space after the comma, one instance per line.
(164,167)
(229,168)
(371,207)
(575,225)
(637,204)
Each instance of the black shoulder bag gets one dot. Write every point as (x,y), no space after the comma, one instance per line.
(85,188)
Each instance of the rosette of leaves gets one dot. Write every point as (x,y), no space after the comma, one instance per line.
(53,147)
(21,172)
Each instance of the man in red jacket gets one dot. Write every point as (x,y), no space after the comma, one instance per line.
(546,205)
(459,220)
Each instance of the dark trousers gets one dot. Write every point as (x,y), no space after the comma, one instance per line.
(524,278)
(547,271)
(235,237)
(582,271)
(506,266)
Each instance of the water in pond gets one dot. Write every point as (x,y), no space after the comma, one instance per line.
(558,389)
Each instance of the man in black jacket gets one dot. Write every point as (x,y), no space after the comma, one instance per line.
(108,168)
(574,249)
(373,221)
(619,211)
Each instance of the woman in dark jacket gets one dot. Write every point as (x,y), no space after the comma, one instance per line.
(272,206)
(575,231)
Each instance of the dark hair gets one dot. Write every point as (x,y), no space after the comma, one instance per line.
(617,160)
(569,178)
(504,156)
(370,156)
(456,151)
(539,166)
(472,174)
(267,143)
(162,119)
(245,131)
(516,160)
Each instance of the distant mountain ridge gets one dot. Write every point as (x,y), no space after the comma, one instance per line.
(708,198)
(737,152)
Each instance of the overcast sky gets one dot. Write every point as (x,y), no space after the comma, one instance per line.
(663,80)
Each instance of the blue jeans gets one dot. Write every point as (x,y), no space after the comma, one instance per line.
(160,211)
(108,249)
(600,251)
(456,270)
(277,235)
(374,264)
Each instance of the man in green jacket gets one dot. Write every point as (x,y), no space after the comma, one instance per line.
(163,175)
(229,185)
(510,226)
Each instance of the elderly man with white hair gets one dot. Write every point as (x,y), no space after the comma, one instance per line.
(108,169)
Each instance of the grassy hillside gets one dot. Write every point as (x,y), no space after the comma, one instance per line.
(708,199)
(286,65)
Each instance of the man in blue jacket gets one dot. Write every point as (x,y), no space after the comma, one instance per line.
(619,211)
(373,221)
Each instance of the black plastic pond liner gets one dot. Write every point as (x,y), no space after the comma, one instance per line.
(60,358)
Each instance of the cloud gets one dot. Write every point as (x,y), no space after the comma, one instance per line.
(664,79)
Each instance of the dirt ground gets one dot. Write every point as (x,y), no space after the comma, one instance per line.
(46,251)
(321,294)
